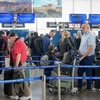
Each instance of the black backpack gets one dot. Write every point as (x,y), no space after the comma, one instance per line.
(3,44)
(39,45)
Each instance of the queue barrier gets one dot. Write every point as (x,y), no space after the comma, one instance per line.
(30,56)
(43,67)
(21,80)
(59,77)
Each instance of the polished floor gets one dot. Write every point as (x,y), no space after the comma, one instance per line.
(36,92)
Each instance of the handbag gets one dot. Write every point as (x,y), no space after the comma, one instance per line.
(17,74)
(67,59)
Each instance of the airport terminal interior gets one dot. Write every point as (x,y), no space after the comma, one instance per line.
(41,16)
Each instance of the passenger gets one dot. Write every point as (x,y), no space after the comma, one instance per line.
(19,57)
(61,32)
(42,35)
(97,70)
(64,44)
(57,37)
(52,57)
(71,39)
(33,48)
(27,39)
(78,39)
(87,50)
(46,40)
(75,36)
(6,37)
(3,46)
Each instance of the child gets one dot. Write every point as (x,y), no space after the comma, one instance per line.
(52,57)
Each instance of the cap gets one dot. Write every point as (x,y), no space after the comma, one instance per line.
(12,34)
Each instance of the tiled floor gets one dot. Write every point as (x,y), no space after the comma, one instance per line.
(36,92)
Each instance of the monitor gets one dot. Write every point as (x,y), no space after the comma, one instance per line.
(94,19)
(6,17)
(77,18)
(25,17)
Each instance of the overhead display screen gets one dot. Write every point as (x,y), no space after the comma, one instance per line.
(6,17)
(77,18)
(25,17)
(94,18)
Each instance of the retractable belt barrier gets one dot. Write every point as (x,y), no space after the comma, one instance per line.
(28,67)
(67,77)
(21,80)
(30,56)
(43,67)
(59,65)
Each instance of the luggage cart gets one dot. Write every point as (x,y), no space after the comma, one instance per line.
(66,85)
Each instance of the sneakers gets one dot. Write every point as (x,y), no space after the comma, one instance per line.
(25,98)
(14,97)
(0,75)
(94,89)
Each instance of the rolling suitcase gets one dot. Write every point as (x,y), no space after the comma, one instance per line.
(8,86)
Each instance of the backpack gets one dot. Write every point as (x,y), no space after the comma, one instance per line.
(3,44)
(44,60)
(39,45)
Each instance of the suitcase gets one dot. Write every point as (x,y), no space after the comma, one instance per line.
(8,86)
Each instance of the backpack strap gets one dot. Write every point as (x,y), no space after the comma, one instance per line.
(11,63)
(14,42)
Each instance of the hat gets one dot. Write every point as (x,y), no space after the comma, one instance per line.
(12,34)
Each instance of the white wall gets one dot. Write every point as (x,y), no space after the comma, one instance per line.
(68,6)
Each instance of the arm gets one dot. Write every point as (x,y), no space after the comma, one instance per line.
(17,60)
(72,42)
(68,43)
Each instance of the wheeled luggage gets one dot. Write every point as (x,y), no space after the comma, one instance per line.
(97,74)
(65,84)
(8,86)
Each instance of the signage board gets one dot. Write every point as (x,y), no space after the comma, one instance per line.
(25,17)
(94,19)
(6,17)
(77,18)
(51,24)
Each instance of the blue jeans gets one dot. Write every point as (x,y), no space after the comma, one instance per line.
(88,60)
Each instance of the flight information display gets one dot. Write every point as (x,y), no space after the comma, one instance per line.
(94,18)
(6,17)
(25,17)
(77,18)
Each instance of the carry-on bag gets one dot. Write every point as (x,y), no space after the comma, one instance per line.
(8,86)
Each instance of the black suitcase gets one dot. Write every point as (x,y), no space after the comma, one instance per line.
(97,74)
(8,86)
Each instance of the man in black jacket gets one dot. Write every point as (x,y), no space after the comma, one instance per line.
(3,46)
(36,47)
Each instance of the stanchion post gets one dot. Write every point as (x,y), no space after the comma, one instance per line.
(59,86)
(43,87)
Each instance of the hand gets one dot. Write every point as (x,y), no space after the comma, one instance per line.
(81,58)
